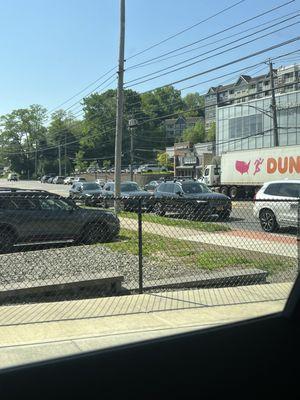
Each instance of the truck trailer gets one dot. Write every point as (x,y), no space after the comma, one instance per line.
(240,174)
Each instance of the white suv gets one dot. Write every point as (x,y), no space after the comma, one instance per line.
(276,204)
(152,168)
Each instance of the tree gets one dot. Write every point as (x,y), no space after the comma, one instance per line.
(196,134)
(163,159)
(195,103)
(211,133)
(22,131)
(64,131)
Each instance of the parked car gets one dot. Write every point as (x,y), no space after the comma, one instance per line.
(276,204)
(100,182)
(191,199)
(50,180)
(130,194)
(12,177)
(69,180)
(44,178)
(58,180)
(79,179)
(88,192)
(31,216)
(151,186)
(151,168)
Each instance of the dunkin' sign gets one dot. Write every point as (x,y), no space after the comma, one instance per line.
(272,165)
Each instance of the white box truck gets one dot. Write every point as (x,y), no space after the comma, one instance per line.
(239,174)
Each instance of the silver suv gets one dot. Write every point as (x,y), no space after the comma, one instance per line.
(276,204)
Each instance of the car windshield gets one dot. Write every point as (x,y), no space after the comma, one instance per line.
(91,186)
(195,187)
(129,187)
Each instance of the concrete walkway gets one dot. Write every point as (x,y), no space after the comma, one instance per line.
(30,333)
(262,242)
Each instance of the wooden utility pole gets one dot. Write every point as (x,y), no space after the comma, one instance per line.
(120,96)
(273,106)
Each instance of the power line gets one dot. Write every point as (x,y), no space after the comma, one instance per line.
(213,55)
(218,33)
(160,59)
(226,64)
(186,29)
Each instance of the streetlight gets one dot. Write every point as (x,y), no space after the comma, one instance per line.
(132,123)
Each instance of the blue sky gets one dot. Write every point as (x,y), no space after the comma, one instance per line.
(53,49)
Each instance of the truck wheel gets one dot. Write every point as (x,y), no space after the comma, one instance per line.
(224,190)
(233,192)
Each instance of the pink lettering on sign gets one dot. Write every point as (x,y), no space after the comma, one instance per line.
(242,167)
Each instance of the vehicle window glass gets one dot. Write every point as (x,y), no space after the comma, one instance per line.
(24,204)
(6,204)
(129,187)
(169,188)
(195,187)
(206,172)
(273,189)
(90,186)
(161,187)
(289,189)
(177,188)
(55,205)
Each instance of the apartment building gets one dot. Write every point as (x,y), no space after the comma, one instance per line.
(247,88)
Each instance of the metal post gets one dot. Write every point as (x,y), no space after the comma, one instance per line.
(273,105)
(119,118)
(140,235)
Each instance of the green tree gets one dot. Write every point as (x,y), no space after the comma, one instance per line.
(195,103)
(22,133)
(64,131)
(163,159)
(211,133)
(196,134)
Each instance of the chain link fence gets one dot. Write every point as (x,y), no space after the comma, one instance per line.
(55,249)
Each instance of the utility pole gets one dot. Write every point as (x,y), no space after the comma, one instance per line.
(131,156)
(59,161)
(65,153)
(273,106)
(120,95)
(132,125)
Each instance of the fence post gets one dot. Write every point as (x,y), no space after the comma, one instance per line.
(140,235)
(298,236)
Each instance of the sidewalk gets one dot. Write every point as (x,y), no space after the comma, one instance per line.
(268,243)
(30,333)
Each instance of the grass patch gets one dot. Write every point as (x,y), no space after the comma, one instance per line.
(165,251)
(182,223)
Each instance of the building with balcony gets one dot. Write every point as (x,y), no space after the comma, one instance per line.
(247,88)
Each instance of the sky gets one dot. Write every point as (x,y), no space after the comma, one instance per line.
(53,49)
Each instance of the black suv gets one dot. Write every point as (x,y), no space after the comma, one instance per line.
(191,199)
(39,216)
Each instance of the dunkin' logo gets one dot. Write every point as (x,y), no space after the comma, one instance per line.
(283,165)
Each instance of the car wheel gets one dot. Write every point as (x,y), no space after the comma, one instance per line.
(268,220)
(7,239)
(158,209)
